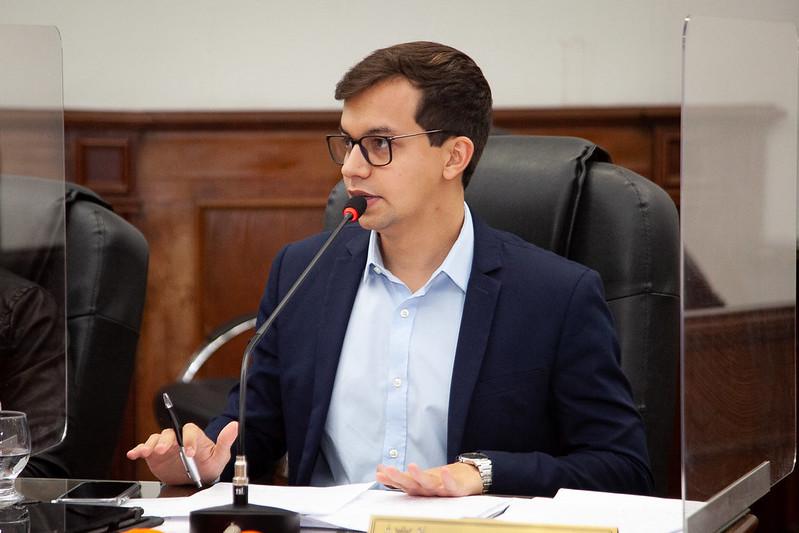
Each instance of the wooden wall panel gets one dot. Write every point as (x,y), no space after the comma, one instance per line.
(31,143)
(242,239)
(217,194)
(198,190)
(105,165)
(732,357)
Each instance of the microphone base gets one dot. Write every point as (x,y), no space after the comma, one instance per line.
(256,517)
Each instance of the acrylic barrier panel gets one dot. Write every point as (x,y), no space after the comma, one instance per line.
(32,232)
(738,221)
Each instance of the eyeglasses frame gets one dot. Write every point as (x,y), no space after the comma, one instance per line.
(365,153)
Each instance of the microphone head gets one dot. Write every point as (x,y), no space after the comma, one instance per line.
(354,207)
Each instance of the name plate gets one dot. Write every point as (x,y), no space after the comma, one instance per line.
(394,524)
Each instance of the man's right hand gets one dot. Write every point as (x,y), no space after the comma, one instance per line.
(160,451)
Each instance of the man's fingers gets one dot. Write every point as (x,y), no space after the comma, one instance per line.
(192,438)
(161,453)
(220,454)
(228,435)
(144,449)
(446,480)
(152,440)
(403,481)
(393,476)
(429,481)
(136,452)
(426,480)
(382,478)
(166,439)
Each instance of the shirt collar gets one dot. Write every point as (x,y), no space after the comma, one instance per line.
(457,265)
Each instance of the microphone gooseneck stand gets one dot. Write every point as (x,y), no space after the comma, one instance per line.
(241,512)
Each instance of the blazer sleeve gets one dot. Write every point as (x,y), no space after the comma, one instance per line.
(265,436)
(601,439)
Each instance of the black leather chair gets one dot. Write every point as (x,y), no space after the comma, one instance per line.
(107,262)
(200,400)
(564,194)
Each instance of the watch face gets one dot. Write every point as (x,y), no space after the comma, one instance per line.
(473,455)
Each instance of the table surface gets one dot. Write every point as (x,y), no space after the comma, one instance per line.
(41,489)
(47,489)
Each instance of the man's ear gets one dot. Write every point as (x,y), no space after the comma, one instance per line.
(458,151)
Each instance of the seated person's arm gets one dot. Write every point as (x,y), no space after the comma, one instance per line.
(32,357)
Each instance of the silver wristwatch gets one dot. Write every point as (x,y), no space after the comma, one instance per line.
(483,465)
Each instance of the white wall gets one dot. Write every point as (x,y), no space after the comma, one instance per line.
(251,54)
(262,55)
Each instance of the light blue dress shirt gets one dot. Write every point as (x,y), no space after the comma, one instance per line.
(390,398)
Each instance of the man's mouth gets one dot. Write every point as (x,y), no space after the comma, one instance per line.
(370,198)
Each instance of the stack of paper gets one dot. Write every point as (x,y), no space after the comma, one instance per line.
(352,506)
(638,514)
(345,506)
(303,500)
(356,514)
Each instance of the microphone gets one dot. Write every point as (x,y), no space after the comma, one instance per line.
(241,512)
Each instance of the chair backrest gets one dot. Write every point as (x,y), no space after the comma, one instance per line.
(107,261)
(563,194)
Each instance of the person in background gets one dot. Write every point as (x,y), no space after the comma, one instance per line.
(32,360)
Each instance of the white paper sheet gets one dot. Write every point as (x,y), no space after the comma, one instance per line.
(357,514)
(304,500)
(163,507)
(631,514)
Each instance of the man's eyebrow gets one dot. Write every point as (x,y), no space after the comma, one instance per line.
(380,130)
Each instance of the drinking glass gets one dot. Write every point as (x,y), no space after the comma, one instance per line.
(15,448)
(14,519)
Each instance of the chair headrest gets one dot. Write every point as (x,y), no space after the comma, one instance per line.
(530,186)
(75,193)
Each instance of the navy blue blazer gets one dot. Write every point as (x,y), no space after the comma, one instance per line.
(536,383)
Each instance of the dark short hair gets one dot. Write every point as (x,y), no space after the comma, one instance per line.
(455,94)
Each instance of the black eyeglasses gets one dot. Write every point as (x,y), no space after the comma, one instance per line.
(376,149)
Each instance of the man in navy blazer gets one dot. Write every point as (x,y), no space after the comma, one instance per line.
(532,397)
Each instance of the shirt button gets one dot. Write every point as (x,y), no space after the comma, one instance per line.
(378,270)
(397,382)
(393,453)
(404,313)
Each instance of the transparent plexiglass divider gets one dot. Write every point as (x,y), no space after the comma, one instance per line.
(33,360)
(738,222)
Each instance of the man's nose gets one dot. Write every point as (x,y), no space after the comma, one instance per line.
(355,165)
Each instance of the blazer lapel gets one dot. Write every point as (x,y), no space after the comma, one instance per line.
(478,315)
(339,296)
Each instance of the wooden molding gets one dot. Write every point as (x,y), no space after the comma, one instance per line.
(103,164)
(261,203)
(204,120)
(328,119)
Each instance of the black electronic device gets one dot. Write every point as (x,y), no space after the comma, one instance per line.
(101,493)
(70,518)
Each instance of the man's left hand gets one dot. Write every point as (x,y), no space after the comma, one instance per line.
(456,479)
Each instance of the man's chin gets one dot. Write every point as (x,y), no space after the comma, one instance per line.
(370,223)
(366,223)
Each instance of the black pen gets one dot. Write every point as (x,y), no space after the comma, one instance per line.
(188,462)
